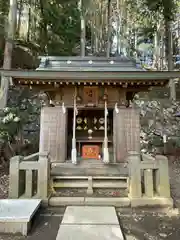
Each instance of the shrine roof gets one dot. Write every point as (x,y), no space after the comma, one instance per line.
(115,70)
(92,64)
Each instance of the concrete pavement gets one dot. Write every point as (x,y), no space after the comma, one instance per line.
(86,222)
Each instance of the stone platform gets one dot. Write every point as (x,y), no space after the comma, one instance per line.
(89,168)
(97,223)
(16,215)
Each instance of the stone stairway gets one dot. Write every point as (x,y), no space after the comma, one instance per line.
(89,183)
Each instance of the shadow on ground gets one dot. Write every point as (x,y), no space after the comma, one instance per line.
(150,226)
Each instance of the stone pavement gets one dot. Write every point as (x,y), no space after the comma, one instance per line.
(137,224)
(86,222)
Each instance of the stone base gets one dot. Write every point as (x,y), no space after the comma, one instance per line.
(107,201)
(65,201)
(15,227)
(151,202)
(16,215)
(74,156)
(110,201)
(89,201)
(106,155)
(45,202)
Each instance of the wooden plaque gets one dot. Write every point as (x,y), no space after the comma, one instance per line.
(90,95)
(91,152)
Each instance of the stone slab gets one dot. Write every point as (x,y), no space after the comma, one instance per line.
(18,209)
(116,202)
(149,202)
(16,214)
(89,232)
(90,215)
(65,201)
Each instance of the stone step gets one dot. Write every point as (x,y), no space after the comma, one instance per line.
(96,186)
(88,163)
(116,182)
(88,171)
(89,201)
(84,184)
(94,177)
(88,168)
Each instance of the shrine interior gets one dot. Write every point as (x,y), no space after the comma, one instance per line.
(89,132)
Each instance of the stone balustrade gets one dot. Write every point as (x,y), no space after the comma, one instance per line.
(29,176)
(148,180)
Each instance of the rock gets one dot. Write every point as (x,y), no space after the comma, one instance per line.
(163,235)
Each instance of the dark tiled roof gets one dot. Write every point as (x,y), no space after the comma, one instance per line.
(117,64)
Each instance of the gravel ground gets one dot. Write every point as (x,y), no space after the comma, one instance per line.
(4,182)
(150,225)
(100,192)
(174,172)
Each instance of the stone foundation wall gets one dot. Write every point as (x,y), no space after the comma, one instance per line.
(53,133)
(126,133)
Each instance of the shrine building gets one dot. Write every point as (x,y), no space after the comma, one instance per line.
(89,124)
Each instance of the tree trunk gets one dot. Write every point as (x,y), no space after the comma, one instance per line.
(8,51)
(101,27)
(108,29)
(29,21)
(83,29)
(4,6)
(44,33)
(168,45)
(169,56)
(118,27)
(33,20)
(19,17)
(156,49)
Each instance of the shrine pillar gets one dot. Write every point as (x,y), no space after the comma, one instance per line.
(53,132)
(105,147)
(126,132)
(74,150)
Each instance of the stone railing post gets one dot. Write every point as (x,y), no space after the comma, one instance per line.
(163,184)
(14,176)
(134,175)
(44,176)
